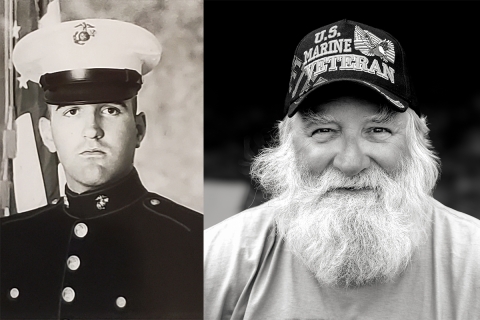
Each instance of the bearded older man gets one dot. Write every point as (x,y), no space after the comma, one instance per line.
(351,230)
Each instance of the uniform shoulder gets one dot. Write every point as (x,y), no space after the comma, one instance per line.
(167,208)
(28,215)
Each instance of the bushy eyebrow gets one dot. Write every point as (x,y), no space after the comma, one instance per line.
(385,115)
(310,117)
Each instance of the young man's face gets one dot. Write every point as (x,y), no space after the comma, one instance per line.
(94,142)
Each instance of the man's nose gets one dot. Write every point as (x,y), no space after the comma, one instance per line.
(351,159)
(93,128)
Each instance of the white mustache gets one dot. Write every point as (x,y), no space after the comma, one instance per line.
(331,179)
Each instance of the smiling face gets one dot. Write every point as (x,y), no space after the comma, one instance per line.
(95,142)
(349,134)
(350,183)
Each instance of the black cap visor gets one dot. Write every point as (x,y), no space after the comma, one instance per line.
(396,103)
(90,86)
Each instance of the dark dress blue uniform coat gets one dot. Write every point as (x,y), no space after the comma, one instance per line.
(119,252)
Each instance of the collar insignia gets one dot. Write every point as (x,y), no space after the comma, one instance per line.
(101,202)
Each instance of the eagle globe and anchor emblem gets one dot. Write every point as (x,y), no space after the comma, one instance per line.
(102,201)
(84,34)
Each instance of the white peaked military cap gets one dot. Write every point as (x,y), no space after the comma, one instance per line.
(87,61)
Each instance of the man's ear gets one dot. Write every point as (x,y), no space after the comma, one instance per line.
(46,132)
(141,125)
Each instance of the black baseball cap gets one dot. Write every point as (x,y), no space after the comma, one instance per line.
(350,51)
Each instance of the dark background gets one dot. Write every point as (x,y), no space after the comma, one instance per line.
(249,46)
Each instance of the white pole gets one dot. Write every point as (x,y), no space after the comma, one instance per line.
(8,134)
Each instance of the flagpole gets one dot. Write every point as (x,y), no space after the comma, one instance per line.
(31,166)
(8,134)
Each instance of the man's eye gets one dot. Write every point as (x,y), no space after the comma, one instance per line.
(380,130)
(71,112)
(323,130)
(379,133)
(111,111)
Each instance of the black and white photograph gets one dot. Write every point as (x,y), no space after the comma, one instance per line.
(239,159)
(342,164)
(101,189)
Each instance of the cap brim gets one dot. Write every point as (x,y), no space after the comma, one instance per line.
(90,93)
(394,101)
(88,86)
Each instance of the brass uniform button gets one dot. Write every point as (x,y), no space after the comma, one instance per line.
(73,263)
(68,294)
(14,293)
(121,302)
(80,230)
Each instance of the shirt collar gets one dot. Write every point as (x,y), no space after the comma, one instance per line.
(106,199)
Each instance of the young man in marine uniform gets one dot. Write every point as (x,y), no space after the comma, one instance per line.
(109,249)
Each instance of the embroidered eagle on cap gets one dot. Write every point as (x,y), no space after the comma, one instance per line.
(371,45)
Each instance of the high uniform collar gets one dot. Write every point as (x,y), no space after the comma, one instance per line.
(105,200)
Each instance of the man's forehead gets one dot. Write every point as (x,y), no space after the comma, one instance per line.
(327,111)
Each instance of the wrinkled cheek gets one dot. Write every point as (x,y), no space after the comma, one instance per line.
(312,156)
(312,161)
(391,160)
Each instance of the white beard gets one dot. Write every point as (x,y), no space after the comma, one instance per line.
(354,238)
